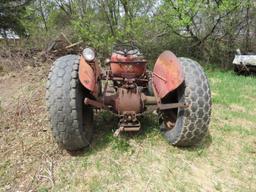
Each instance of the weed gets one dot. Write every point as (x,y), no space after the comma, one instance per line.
(120,144)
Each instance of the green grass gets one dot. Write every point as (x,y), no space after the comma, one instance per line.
(144,161)
(229,88)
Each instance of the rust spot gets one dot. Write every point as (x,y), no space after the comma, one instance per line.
(86,75)
(167,73)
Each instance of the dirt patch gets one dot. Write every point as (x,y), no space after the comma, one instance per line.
(27,151)
(244,123)
(237,108)
(250,98)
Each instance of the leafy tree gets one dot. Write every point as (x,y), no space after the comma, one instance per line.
(11,13)
(204,29)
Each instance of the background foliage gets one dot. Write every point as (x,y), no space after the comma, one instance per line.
(208,30)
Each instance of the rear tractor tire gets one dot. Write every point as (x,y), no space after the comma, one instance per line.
(188,126)
(70,119)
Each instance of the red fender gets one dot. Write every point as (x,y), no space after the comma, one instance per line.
(167,74)
(88,75)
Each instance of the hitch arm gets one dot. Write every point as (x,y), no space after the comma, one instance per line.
(172,106)
(94,103)
(149,100)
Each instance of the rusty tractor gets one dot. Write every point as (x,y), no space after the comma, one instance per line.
(177,90)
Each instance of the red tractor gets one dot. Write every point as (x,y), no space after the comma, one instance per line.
(177,89)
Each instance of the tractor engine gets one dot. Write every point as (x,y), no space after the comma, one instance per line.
(127,88)
(128,74)
(129,105)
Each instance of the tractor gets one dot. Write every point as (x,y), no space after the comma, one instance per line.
(177,90)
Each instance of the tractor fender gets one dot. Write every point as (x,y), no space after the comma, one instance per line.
(87,75)
(167,74)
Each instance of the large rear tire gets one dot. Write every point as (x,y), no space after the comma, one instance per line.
(187,127)
(70,119)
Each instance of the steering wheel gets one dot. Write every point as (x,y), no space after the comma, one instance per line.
(125,49)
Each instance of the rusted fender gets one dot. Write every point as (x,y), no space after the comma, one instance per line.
(167,74)
(88,74)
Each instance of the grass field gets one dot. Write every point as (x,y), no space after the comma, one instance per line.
(30,160)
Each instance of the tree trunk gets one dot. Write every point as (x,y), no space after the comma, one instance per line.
(247,37)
